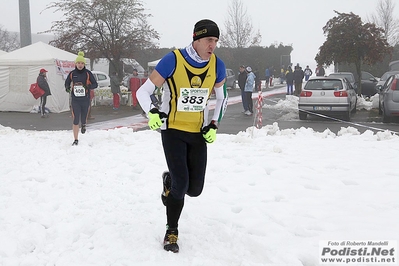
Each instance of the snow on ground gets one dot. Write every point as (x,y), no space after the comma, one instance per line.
(270,197)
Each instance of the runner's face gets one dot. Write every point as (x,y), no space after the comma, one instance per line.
(80,65)
(205,47)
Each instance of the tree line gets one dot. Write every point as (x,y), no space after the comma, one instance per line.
(116,29)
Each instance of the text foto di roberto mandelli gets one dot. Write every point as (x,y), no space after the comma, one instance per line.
(358,251)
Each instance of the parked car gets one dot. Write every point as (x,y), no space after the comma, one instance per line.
(102,79)
(389,98)
(327,95)
(230,79)
(384,78)
(348,75)
(368,83)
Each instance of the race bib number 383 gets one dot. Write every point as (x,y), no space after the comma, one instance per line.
(192,99)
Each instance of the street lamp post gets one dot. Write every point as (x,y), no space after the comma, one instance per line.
(25,34)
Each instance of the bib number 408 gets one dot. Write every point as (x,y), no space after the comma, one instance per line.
(79,91)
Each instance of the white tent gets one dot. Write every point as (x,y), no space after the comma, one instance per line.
(20,68)
(153,64)
(2,52)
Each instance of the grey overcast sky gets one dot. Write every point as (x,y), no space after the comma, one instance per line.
(294,22)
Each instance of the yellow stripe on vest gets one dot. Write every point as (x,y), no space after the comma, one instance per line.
(187,76)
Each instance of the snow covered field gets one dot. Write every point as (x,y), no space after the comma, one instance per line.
(270,197)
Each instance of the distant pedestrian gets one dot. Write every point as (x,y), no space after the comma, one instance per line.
(308,72)
(267,75)
(282,74)
(249,88)
(290,81)
(320,71)
(271,70)
(116,90)
(298,79)
(43,84)
(134,85)
(144,78)
(242,79)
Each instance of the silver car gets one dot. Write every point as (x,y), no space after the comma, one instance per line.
(230,79)
(384,78)
(329,96)
(102,78)
(389,98)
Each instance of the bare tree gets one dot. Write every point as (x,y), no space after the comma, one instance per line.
(256,39)
(384,19)
(111,29)
(8,40)
(239,30)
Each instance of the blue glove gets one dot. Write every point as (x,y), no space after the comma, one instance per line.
(156,118)
(209,132)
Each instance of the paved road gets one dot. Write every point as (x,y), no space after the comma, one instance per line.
(61,121)
(233,122)
(105,118)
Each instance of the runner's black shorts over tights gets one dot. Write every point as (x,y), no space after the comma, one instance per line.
(80,109)
(186,156)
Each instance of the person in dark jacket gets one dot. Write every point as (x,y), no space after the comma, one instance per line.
(298,79)
(271,70)
(320,71)
(43,84)
(79,82)
(289,76)
(116,90)
(242,79)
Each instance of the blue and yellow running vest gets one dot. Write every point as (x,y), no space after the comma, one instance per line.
(183,78)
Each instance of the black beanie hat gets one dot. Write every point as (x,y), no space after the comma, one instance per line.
(205,28)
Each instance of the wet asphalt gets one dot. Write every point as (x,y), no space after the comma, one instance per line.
(233,121)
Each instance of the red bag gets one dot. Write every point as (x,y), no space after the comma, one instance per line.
(36,91)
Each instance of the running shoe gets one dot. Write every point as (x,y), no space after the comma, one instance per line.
(170,240)
(83,129)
